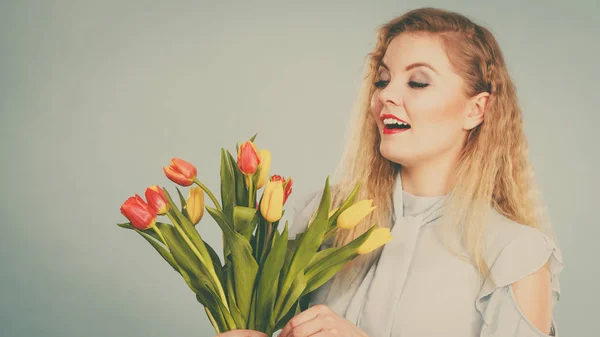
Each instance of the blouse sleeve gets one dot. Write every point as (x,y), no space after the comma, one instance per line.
(528,251)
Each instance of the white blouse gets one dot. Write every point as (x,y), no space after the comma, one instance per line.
(418,288)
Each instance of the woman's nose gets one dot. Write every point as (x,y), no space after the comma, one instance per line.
(391,94)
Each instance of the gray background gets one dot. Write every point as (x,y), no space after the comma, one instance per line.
(96,96)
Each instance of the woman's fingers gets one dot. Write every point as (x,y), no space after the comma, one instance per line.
(308,322)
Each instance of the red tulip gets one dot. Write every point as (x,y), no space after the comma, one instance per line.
(248,158)
(181,172)
(141,215)
(287,189)
(156,198)
(287,185)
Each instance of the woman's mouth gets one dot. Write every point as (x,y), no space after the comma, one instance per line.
(393,124)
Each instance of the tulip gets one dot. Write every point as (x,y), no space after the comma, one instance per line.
(271,204)
(287,189)
(377,238)
(181,172)
(248,158)
(287,185)
(141,215)
(156,198)
(265,165)
(195,205)
(354,214)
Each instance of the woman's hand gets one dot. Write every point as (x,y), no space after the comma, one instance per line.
(320,321)
(242,333)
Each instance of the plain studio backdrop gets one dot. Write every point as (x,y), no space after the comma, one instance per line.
(95,97)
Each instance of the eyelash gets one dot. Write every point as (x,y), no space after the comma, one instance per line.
(412,84)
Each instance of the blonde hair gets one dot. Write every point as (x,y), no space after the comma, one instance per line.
(493,169)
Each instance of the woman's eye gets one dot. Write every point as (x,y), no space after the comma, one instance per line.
(418,85)
(380,84)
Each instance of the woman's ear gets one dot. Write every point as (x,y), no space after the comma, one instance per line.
(476,110)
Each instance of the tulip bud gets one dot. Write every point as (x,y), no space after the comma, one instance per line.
(248,158)
(287,189)
(141,215)
(377,238)
(195,204)
(181,172)
(156,198)
(287,185)
(265,165)
(271,205)
(354,214)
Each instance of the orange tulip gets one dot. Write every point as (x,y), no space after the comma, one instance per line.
(141,215)
(181,172)
(248,158)
(156,198)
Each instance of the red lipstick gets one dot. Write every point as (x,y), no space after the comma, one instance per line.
(393,125)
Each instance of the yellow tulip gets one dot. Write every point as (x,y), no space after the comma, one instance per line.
(354,214)
(265,165)
(271,205)
(378,238)
(195,204)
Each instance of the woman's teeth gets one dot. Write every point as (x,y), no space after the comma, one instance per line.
(395,124)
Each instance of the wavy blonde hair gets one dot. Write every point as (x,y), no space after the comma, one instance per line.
(493,169)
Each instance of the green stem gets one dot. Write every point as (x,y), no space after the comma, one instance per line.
(251,197)
(267,240)
(210,194)
(199,256)
(155,227)
(330,233)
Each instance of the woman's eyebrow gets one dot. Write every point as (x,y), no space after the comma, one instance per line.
(413,65)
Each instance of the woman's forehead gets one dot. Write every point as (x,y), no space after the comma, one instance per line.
(409,48)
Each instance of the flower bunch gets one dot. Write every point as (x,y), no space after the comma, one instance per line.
(264,277)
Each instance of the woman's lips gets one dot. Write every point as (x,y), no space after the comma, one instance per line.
(389,131)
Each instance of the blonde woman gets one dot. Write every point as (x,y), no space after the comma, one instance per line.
(438,144)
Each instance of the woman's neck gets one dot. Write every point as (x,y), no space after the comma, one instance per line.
(427,180)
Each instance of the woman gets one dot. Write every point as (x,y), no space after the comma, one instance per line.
(439,147)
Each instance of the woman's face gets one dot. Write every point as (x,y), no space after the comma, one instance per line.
(419,104)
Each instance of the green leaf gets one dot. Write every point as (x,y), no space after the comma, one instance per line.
(244,220)
(244,266)
(192,234)
(269,275)
(160,249)
(238,317)
(308,245)
(328,262)
(285,319)
(149,231)
(241,192)
(293,295)
(216,263)
(253,137)
(227,185)
(345,205)
(183,203)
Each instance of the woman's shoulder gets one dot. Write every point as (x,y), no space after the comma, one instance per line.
(513,251)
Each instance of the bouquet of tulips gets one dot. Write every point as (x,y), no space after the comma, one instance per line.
(264,278)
